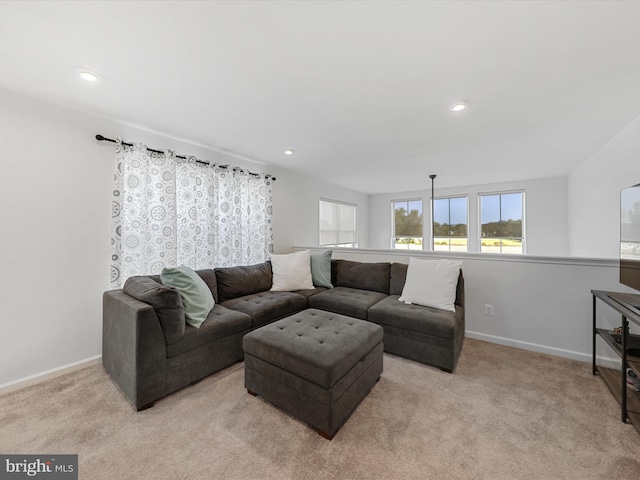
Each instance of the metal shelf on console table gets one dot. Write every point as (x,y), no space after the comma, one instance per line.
(627,315)
(611,379)
(632,361)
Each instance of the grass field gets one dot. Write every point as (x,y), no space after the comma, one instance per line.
(408,243)
(492,245)
(488,245)
(441,244)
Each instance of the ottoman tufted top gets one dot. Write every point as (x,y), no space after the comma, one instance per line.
(315,345)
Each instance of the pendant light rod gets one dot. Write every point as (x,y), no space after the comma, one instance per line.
(433,222)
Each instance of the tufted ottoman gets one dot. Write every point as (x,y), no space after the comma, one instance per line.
(315,365)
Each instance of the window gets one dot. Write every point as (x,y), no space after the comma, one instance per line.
(502,223)
(337,224)
(450,224)
(407,224)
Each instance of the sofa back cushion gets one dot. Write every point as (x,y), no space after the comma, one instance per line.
(234,282)
(460,290)
(365,276)
(209,277)
(166,302)
(398,277)
(334,272)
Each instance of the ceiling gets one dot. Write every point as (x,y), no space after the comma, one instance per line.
(360,90)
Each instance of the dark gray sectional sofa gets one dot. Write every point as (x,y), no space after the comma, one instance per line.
(149,351)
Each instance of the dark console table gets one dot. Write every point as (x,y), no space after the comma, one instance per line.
(616,380)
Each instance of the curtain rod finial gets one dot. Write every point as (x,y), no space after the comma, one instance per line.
(99,137)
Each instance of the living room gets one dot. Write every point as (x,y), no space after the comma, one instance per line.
(58,187)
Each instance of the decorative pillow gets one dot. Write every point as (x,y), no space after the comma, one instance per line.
(321,269)
(291,272)
(431,283)
(196,296)
(166,302)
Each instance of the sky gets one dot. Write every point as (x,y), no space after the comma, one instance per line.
(510,203)
(456,207)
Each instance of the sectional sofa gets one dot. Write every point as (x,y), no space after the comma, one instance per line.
(150,352)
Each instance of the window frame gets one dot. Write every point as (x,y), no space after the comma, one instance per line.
(392,243)
(353,244)
(524,220)
(433,209)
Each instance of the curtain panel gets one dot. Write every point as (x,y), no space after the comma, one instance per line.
(169,211)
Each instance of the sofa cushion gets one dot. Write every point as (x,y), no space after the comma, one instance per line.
(196,295)
(220,323)
(352,302)
(266,307)
(321,269)
(363,276)
(309,293)
(291,272)
(398,277)
(432,283)
(166,302)
(416,318)
(234,282)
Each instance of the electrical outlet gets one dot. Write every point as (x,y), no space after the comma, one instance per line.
(488,309)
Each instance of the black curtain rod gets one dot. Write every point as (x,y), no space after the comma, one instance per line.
(102,138)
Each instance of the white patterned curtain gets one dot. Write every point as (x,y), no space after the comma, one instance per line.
(169,211)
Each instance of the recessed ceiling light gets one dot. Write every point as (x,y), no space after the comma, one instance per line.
(88,76)
(458,106)
(288,152)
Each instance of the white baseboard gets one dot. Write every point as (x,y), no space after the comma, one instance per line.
(49,374)
(534,347)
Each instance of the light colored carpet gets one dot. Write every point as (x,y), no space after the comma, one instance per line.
(505,414)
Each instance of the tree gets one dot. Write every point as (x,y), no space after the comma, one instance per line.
(505,229)
(408,224)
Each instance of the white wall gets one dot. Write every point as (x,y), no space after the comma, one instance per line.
(56,220)
(594,194)
(546,214)
(296,215)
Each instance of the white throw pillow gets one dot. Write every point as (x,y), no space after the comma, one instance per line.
(291,272)
(431,283)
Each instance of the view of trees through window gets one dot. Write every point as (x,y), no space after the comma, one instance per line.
(407,224)
(450,224)
(501,223)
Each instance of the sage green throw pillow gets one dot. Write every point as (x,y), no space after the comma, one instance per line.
(321,269)
(196,296)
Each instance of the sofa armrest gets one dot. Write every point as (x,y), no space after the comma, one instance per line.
(133,348)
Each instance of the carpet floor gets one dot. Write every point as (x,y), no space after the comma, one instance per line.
(504,414)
